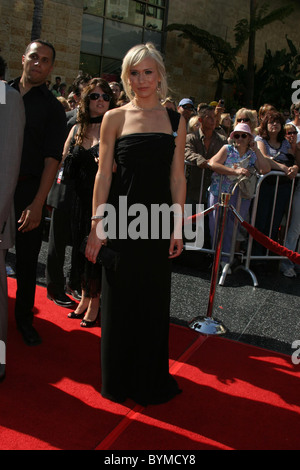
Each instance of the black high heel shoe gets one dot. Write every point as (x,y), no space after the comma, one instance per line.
(90,323)
(77,316)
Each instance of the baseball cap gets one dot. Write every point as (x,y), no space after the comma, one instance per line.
(186,101)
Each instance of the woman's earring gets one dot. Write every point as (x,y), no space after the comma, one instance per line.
(158,87)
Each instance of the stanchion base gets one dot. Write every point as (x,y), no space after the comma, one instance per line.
(208,326)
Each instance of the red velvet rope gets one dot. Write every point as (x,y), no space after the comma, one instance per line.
(271,244)
(262,239)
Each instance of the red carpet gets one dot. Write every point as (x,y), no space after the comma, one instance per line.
(234,396)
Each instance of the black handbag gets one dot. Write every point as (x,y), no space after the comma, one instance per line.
(106,256)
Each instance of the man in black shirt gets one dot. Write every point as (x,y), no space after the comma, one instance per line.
(44,137)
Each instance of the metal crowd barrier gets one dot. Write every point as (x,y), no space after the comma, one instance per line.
(247,257)
(268,257)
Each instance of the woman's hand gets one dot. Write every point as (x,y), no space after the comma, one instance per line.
(242,172)
(253,145)
(293,171)
(176,247)
(93,245)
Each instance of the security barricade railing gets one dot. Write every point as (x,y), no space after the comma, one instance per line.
(269,256)
(201,198)
(246,257)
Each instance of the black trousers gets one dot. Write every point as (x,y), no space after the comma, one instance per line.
(28,246)
(60,236)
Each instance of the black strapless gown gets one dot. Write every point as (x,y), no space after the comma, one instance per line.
(136,297)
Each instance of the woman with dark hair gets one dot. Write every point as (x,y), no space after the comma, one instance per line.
(82,148)
(272,143)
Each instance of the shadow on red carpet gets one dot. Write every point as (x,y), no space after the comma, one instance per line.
(234,396)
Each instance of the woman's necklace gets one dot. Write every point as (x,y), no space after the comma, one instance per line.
(158,106)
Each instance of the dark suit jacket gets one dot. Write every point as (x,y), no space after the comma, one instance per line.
(12,119)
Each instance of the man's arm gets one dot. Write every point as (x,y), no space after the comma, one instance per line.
(53,149)
(32,214)
(193,151)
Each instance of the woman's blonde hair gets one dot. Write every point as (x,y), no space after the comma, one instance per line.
(193,121)
(289,126)
(133,57)
(250,115)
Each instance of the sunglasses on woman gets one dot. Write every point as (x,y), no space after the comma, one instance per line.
(96,96)
(237,136)
(243,120)
(292,133)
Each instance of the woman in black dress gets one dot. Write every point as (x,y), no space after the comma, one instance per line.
(82,147)
(147,142)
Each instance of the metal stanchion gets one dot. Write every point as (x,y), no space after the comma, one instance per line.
(208,325)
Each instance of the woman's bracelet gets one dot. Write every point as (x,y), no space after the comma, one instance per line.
(97,217)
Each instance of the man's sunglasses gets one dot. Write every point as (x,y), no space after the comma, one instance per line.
(292,133)
(243,136)
(243,120)
(187,106)
(96,96)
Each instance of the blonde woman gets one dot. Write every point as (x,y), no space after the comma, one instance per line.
(169,103)
(232,161)
(147,141)
(246,116)
(193,124)
(226,124)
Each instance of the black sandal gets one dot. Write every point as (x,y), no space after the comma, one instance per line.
(77,316)
(89,323)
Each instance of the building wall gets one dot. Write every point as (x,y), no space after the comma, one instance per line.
(189,67)
(61,25)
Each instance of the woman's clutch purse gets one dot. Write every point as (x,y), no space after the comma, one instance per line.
(106,256)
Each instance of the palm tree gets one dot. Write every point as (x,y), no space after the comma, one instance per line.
(221,52)
(37,19)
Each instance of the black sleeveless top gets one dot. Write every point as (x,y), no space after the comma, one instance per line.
(143,166)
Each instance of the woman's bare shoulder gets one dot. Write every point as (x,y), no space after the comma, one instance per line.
(116,116)
(116,113)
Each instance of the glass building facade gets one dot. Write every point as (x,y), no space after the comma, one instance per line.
(111,27)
